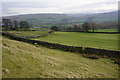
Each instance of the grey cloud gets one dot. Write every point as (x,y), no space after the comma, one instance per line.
(87,8)
(6,12)
(28,4)
(47,4)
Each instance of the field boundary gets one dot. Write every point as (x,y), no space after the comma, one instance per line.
(83,50)
(29,37)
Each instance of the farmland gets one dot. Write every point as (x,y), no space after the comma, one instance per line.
(23,60)
(63,39)
(96,40)
(27,33)
(107,30)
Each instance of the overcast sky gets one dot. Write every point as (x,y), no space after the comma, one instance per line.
(16,7)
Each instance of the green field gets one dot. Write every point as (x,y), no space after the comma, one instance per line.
(97,40)
(106,30)
(28,33)
(23,60)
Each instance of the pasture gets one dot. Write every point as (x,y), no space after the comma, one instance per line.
(107,30)
(95,40)
(28,33)
(23,60)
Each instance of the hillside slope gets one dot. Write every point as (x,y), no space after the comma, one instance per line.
(23,60)
(55,19)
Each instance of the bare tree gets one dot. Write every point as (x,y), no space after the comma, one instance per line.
(15,23)
(93,26)
(86,27)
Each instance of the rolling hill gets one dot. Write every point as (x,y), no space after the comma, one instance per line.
(60,19)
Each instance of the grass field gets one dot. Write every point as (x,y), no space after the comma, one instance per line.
(97,40)
(106,30)
(23,60)
(27,33)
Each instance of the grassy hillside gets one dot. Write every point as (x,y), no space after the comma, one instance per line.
(41,19)
(0,57)
(23,60)
(105,17)
(56,19)
(97,40)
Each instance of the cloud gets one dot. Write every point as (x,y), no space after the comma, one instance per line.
(94,8)
(58,6)
(34,10)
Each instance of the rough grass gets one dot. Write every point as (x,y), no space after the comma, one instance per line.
(96,40)
(27,33)
(0,57)
(23,60)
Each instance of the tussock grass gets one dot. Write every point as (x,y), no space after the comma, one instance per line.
(23,60)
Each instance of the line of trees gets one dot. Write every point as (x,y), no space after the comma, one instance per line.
(86,27)
(8,24)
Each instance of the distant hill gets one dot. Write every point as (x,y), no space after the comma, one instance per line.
(106,25)
(98,18)
(56,19)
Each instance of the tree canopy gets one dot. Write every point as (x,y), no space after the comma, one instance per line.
(55,28)
(86,27)
(8,24)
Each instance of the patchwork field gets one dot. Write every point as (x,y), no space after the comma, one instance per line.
(23,60)
(96,40)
